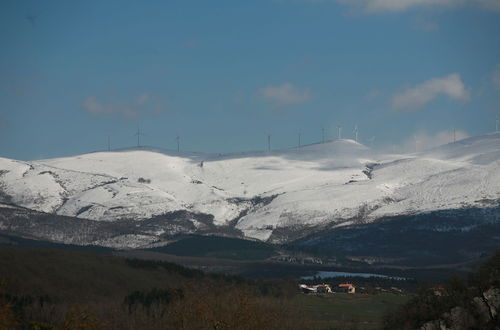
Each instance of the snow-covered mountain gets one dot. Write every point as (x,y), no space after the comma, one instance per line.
(260,194)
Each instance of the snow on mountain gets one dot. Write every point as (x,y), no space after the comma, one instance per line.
(334,183)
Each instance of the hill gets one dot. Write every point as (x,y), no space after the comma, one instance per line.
(54,289)
(144,197)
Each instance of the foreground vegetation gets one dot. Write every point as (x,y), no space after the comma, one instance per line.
(61,289)
(458,304)
(58,289)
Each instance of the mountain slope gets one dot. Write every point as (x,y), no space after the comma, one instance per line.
(290,192)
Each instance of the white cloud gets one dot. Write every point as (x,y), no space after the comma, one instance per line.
(381,6)
(495,77)
(143,104)
(377,6)
(143,98)
(416,97)
(422,140)
(284,94)
(423,24)
(493,5)
(373,94)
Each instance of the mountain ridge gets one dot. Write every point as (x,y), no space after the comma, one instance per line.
(325,185)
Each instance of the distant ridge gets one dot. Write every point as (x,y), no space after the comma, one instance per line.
(274,196)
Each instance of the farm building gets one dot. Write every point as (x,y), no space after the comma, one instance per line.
(320,288)
(323,288)
(347,288)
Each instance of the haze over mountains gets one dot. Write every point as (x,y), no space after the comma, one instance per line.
(254,195)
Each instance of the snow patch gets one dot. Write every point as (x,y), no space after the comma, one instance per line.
(337,183)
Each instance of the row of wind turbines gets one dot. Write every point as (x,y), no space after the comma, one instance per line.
(139,133)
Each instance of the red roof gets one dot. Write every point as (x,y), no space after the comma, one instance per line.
(345,285)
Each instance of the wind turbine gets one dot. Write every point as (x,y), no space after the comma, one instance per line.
(356,132)
(299,139)
(339,131)
(178,139)
(139,133)
(268,142)
(323,135)
(109,143)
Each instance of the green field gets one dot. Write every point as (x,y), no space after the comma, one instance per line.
(345,311)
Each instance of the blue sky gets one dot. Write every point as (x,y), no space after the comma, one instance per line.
(225,74)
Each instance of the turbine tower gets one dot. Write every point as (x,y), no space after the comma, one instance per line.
(268,142)
(139,133)
(299,139)
(356,132)
(322,135)
(178,139)
(109,143)
(496,126)
(339,131)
